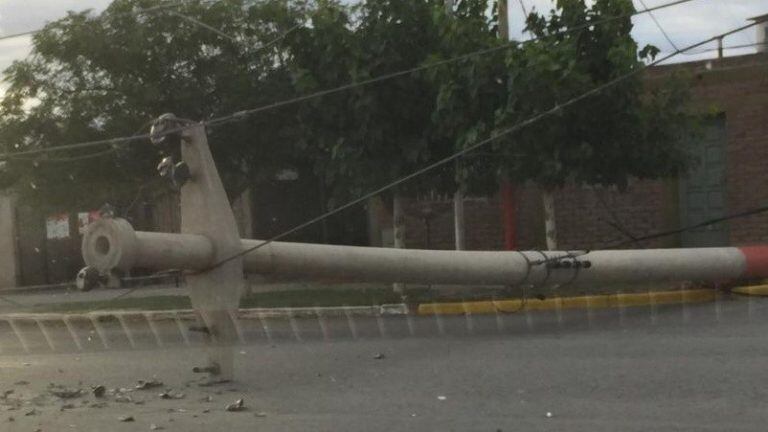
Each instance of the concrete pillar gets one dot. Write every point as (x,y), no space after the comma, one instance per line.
(9,265)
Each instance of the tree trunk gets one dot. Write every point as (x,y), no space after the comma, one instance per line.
(548,199)
(398,231)
(458,196)
(458,220)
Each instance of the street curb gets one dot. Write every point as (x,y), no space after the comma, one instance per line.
(650,298)
(191,315)
(751,290)
(512,305)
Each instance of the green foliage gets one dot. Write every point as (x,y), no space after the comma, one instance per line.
(468,93)
(605,139)
(100,77)
(372,134)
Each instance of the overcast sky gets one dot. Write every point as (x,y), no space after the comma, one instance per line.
(686,24)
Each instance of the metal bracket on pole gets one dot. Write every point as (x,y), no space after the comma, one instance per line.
(205,210)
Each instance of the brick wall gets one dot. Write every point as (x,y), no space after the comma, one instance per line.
(582,219)
(738,88)
(735,86)
(593,218)
(433,218)
(744,99)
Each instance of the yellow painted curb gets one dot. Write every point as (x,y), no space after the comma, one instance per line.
(583,302)
(755,290)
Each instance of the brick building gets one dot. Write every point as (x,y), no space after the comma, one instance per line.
(729,178)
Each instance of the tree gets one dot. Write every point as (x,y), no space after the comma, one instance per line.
(372,134)
(99,77)
(619,133)
(468,95)
(94,77)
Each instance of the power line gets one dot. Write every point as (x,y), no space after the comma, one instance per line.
(282,36)
(616,222)
(525,17)
(706,50)
(203,25)
(93,155)
(261,47)
(525,11)
(531,120)
(658,24)
(15,35)
(241,115)
(659,234)
(750,212)
(724,7)
(136,12)
(184,17)
(84,144)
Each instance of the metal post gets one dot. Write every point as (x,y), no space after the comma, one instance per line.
(719,48)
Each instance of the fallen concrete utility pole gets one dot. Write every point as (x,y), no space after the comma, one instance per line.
(112,243)
(209,236)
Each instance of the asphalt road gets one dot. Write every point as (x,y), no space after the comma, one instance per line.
(687,368)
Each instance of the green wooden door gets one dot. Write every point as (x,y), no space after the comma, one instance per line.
(703,190)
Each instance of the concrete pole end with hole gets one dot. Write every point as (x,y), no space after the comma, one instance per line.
(208,236)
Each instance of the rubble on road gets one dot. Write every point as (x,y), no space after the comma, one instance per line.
(123,398)
(145,385)
(239,405)
(98,391)
(63,392)
(170,394)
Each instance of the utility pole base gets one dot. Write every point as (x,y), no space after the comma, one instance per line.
(220,336)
